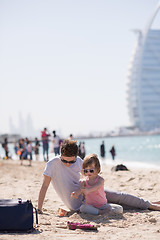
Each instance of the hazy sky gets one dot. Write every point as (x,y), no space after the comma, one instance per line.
(65,62)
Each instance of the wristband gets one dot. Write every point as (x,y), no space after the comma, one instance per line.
(39,211)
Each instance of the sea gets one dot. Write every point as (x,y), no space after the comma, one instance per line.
(132,151)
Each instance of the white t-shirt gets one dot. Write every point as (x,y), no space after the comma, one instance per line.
(29,148)
(65,180)
(56,141)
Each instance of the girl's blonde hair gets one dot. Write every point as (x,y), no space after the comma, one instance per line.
(91,159)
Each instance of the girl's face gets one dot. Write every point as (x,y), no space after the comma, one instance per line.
(90,171)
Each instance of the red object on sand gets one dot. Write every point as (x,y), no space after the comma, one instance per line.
(74,226)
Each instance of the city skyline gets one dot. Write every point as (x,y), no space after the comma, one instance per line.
(24,127)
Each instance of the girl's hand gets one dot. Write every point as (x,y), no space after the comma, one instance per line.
(85,191)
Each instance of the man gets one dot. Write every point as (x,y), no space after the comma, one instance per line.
(45,141)
(64,173)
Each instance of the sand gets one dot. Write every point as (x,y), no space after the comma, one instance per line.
(24,182)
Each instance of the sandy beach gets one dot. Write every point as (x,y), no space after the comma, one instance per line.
(24,182)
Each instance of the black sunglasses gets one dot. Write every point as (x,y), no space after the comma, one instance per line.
(88,170)
(65,161)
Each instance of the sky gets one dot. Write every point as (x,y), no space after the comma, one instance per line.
(64,63)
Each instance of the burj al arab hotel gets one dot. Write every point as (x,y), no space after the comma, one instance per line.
(143,87)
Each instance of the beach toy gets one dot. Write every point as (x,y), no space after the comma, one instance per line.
(61,212)
(74,226)
(19,152)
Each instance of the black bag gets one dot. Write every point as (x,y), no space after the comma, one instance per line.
(120,167)
(16,215)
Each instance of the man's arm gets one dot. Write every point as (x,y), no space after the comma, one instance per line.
(79,191)
(43,190)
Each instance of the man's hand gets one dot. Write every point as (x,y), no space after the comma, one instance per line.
(76,194)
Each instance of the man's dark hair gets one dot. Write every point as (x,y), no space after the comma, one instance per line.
(69,148)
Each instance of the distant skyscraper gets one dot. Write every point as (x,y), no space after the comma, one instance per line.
(144,79)
(24,128)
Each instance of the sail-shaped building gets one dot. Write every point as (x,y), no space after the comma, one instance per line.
(143,86)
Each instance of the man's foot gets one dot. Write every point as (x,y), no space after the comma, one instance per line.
(154,206)
(156,202)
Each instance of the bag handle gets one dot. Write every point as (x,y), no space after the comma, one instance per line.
(36,212)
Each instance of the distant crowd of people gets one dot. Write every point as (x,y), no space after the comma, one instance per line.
(25,148)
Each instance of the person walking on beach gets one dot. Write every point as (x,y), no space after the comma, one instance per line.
(113,152)
(93,189)
(36,148)
(29,151)
(56,143)
(81,150)
(45,140)
(22,151)
(64,173)
(102,150)
(70,137)
(5,146)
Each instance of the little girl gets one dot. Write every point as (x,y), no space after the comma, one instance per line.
(93,189)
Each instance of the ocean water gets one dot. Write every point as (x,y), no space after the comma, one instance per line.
(136,151)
